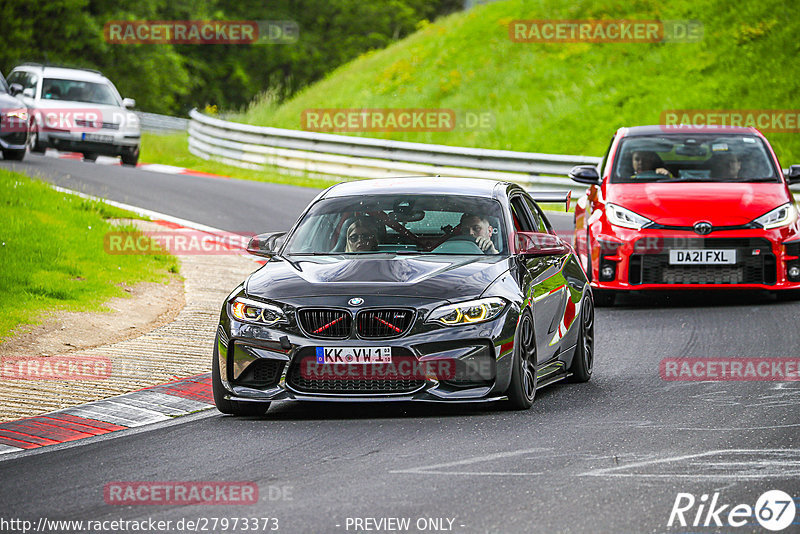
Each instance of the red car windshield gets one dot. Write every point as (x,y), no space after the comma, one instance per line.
(693,158)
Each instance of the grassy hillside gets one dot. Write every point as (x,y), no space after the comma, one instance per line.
(569,98)
(52,255)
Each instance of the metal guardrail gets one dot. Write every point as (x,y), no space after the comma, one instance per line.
(301,152)
(152,122)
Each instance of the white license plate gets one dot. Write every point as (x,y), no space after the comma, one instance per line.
(702,257)
(354,355)
(97,138)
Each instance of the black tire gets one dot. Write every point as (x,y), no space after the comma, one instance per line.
(583,360)
(604,298)
(88,156)
(130,158)
(14,155)
(227,406)
(522,389)
(36,146)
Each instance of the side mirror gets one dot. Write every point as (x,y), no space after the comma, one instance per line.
(128,103)
(266,245)
(15,89)
(539,244)
(793,176)
(585,174)
(28,92)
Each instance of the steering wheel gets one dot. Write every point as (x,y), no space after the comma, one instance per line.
(460,244)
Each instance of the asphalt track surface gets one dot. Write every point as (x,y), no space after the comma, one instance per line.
(610,455)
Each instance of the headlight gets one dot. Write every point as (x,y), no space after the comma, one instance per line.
(781,216)
(251,311)
(626,218)
(17,114)
(473,311)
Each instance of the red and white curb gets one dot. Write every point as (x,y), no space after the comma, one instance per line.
(150,167)
(131,410)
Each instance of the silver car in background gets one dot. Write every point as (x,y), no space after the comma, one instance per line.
(78,110)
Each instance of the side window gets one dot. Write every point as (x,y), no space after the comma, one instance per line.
(540,222)
(523,219)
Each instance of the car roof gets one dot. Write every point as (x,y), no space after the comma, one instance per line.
(652,130)
(433,185)
(66,73)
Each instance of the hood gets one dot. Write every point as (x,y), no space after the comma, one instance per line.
(436,277)
(685,203)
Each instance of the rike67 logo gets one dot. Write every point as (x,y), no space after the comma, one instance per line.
(774,510)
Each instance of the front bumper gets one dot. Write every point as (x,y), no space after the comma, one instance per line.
(121,142)
(13,140)
(639,260)
(259,363)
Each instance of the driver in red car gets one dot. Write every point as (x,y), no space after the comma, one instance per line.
(479,228)
(647,161)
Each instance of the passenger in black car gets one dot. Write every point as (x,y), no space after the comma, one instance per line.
(362,236)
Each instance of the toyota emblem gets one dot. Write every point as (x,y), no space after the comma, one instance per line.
(355,301)
(703,228)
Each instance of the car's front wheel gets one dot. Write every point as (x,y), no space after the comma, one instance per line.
(228,406)
(36,145)
(88,156)
(522,389)
(14,155)
(583,360)
(130,157)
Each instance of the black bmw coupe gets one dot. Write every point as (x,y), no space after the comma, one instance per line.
(408,289)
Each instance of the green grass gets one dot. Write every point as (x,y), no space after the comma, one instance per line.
(568,98)
(52,255)
(172,149)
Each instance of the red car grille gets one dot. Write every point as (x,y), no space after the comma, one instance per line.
(326,322)
(383,323)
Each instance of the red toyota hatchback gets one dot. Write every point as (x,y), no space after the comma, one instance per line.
(688,208)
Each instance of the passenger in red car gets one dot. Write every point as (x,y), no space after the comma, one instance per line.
(648,161)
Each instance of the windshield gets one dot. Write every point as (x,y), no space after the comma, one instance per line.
(3,86)
(693,158)
(78,91)
(400,224)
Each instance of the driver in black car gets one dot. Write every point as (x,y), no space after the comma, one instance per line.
(479,228)
(647,161)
